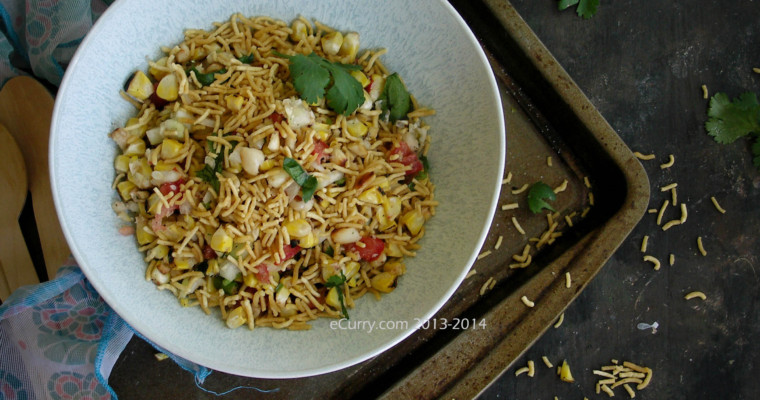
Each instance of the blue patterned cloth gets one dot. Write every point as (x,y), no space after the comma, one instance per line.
(39,37)
(60,340)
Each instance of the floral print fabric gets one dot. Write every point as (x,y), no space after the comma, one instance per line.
(59,340)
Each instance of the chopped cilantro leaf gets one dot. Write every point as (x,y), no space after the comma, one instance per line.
(208,174)
(395,99)
(536,195)
(307,182)
(205,79)
(336,281)
(246,59)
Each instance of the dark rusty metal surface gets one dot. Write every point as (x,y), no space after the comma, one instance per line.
(547,117)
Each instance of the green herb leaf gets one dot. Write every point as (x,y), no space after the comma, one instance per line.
(312,75)
(208,174)
(246,59)
(307,182)
(329,251)
(396,100)
(536,195)
(336,281)
(309,77)
(730,120)
(346,93)
(277,289)
(563,4)
(585,8)
(205,79)
(425,169)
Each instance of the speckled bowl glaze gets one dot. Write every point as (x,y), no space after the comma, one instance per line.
(443,66)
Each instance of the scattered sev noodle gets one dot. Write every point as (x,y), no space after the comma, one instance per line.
(498,242)
(562,187)
(674,196)
(590,198)
(247,107)
(520,189)
(521,371)
(549,161)
(527,301)
(644,242)
(615,375)
(559,320)
(671,161)
(510,206)
(700,246)
(531,368)
(705,94)
(586,182)
(694,295)
(517,226)
(756,70)
(668,187)
(568,280)
(484,254)
(486,286)
(630,391)
(672,259)
(717,206)
(547,362)
(641,156)
(671,224)
(471,273)
(665,205)
(684,214)
(508,179)
(653,260)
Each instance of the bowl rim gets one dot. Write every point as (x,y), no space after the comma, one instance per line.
(209,362)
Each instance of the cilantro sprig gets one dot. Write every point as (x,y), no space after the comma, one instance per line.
(315,77)
(538,193)
(337,282)
(585,8)
(731,120)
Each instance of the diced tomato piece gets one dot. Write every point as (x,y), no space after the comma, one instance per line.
(276,117)
(407,157)
(262,272)
(171,187)
(319,150)
(373,248)
(290,252)
(208,252)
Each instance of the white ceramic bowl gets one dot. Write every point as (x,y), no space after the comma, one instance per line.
(428,44)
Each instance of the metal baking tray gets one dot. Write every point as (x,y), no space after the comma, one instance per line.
(547,116)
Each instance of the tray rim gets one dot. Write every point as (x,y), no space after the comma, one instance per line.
(598,244)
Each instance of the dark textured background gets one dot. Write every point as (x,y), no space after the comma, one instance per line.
(642,64)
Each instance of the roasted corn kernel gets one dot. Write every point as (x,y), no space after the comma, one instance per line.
(221,241)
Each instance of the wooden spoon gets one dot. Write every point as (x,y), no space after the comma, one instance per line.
(26,108)
(17,266)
